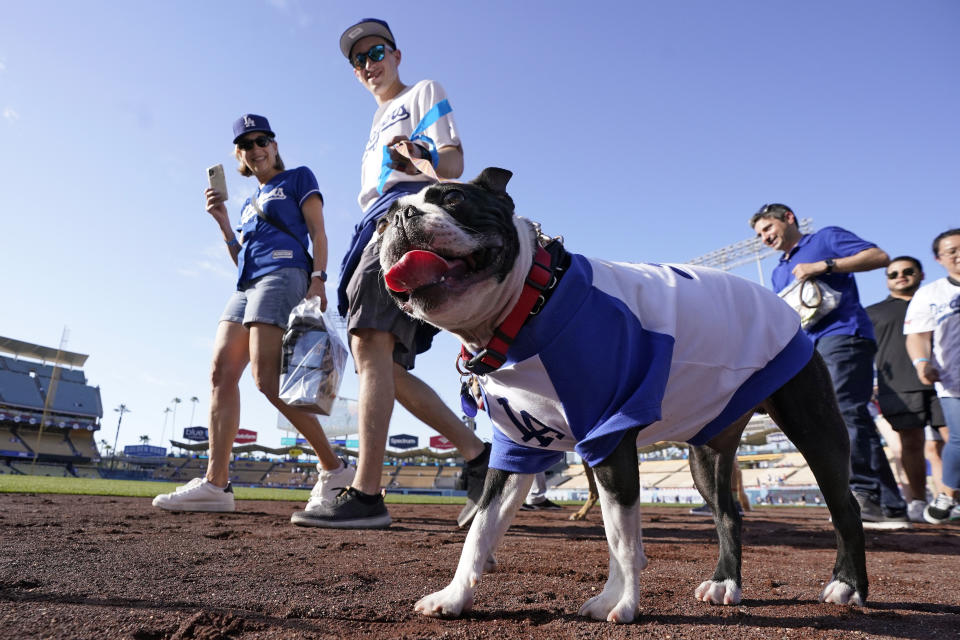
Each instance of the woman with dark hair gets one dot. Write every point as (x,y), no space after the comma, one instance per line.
(275,273)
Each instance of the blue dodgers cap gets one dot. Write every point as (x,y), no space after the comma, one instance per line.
(364,28)
(250,122)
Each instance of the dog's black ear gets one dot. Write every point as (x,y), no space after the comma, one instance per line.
(493,179)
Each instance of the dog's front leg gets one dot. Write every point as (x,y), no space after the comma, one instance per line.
(502,494)
(618,483)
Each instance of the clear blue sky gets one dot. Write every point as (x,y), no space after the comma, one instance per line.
(640,131)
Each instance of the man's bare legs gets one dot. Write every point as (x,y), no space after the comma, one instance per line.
(373,353)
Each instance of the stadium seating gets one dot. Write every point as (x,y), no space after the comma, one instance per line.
(416,477)
(86,472)
(83,441)
(448,476)
(10,441)
(41,469)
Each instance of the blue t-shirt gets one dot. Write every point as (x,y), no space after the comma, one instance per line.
(265,247)
(678,350)
(849,318)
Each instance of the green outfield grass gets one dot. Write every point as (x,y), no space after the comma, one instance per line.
(143,489)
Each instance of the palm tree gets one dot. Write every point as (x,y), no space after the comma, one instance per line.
(122,409)
(145,439)
(194,400)
(166,416)
(175,402)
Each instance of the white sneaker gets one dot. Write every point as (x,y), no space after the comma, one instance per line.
(329,485)
(197,495)
(915,510)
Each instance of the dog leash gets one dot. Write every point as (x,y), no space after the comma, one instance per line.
(539,280)
(426,166)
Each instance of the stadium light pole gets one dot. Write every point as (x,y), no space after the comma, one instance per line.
(122,409)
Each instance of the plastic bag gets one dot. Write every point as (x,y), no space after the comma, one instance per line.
(812,299)
(313,359)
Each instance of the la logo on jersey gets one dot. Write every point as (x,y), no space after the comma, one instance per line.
(544,435)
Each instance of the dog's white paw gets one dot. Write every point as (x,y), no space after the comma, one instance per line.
(725,592)
(607,606)
(446,603)
(841,593)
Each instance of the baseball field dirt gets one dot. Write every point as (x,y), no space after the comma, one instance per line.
(100,567)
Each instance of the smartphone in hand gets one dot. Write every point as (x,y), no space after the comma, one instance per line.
(217,180)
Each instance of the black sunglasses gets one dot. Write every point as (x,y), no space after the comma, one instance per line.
(909,271)
(260,141)
(375,53)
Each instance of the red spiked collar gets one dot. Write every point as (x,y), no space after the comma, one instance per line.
(539,280)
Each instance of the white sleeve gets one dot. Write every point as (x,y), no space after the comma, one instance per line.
(920,316)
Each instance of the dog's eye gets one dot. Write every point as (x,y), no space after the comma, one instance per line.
(452,198)
(382,224)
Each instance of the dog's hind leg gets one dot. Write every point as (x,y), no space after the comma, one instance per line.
(618,482)
(711,466)
(503,492)
(805,408)
(592,494)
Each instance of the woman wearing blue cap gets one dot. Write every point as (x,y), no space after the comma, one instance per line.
(276,271)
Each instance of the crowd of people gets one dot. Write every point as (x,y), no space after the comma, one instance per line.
(276,270)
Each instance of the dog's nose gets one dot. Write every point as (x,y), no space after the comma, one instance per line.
(406,213)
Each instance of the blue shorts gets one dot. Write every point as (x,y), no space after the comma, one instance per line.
(268,299)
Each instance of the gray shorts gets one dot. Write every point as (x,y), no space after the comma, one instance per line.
(371,307)
(268,299)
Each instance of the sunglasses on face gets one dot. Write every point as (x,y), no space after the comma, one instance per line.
(909,271)
(375,53)
(260,141)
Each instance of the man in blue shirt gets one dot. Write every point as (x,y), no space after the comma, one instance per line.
(845,339)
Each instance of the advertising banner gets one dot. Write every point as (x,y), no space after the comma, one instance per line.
(404,441)
(439,442)
(245,436)
(197,434)
(144,451)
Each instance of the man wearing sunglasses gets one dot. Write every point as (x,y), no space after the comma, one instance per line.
(383,340)
(845,340)
(906,403)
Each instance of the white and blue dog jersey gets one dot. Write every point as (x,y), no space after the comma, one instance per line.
(680,351)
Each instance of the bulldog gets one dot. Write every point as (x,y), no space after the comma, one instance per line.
(586,355)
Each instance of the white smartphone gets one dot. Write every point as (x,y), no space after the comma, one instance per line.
(217,180)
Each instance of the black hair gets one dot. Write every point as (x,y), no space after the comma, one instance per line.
(936,241)
(775,210)
(909,259)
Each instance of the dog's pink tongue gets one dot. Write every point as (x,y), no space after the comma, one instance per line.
(415,269)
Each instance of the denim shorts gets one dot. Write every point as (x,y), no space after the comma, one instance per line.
(268,299)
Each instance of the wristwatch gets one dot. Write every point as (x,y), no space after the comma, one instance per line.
(319,274)
(831,263)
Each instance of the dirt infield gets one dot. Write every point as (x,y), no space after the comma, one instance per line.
(96,567)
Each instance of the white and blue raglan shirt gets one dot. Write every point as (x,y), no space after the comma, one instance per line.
(401,116)
(265,247)
(683,350)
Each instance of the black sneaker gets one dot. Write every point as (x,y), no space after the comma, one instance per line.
(546,505)
(938,511)
(351,510)
(471,479)
(527,507)
(873,516)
